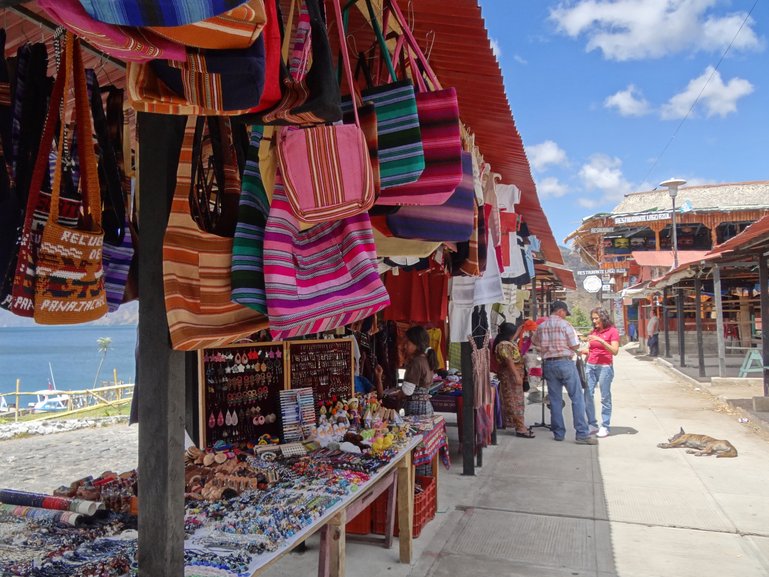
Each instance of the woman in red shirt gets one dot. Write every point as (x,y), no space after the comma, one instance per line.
(603,345)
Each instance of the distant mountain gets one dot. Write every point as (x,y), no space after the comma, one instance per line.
(128,314)
(571,258)
(580,298)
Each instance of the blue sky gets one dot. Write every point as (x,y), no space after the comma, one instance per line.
(598,89)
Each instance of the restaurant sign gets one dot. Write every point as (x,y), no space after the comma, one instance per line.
(602,230)
(646,217)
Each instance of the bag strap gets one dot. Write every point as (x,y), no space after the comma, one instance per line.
(222,220)
(287,32)
(109,168)
(391,6)
(46,141)
(406,58)
(89,178)
(379,37)
(53,212)
(362,66)
(346,57)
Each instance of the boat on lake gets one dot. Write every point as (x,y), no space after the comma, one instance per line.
(49,400)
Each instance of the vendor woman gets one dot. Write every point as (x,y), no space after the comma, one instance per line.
(421,363)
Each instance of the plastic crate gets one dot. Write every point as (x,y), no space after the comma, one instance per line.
(425,506)
(361,524)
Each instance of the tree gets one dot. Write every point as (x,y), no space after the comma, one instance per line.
(103,344)
(579,319)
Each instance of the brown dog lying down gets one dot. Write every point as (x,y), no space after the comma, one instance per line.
(703,444)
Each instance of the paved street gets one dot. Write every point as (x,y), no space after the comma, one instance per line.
(42,463)
(539,508)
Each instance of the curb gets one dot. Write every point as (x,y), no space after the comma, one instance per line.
(754,422)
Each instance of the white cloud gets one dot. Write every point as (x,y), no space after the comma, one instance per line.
(545,154)
(603,174)
(551,187)
(717,99)
(628,102)
(638,29)
(495,48)
(520,59)
(588,202)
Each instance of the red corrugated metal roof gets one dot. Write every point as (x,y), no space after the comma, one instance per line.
(461,57)
(753,233)
(20,29)
(665,257)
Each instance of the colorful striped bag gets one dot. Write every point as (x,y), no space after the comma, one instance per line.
(127,44)
(438,112)
(310,90)
(248,245)
(451,221)
(196,273)
(322,278)
(118,247)
(326,170)
(203,83)
(236,28)
(156,12)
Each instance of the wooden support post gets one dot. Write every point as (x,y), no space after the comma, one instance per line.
(405,508)
(665,321)
(468,411)
(337,542)
(744,322)
(719,321)
(763,283)
(681,326)
(533,306)
(698,312)
(392,496)
(160,372)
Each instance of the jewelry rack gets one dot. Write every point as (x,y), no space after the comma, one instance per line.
(325,366)
(239,392)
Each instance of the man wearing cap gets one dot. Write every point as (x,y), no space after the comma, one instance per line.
(557,342)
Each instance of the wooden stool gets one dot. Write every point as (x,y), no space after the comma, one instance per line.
(752,363)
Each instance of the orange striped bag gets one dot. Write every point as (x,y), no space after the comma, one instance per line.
(69,276)
(236,28)
(196,271)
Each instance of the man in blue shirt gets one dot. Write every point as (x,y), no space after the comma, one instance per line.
(365,386)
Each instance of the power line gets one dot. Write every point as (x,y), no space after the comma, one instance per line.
(696,100)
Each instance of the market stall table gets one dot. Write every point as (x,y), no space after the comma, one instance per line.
(397,473)
(447,398)
(434,443)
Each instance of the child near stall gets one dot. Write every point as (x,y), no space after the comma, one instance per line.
(421,364)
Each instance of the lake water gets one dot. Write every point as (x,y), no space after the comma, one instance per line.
(72,351)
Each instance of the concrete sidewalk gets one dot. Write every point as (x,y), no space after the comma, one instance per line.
(624,508)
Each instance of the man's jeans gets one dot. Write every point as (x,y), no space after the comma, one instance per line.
(653,342)
(559,374)
(601,375)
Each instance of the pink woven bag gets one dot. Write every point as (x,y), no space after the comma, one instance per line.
(327,169)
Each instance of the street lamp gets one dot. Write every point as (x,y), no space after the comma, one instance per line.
(672,185)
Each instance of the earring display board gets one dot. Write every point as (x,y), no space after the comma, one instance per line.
(239,392)
(325,366)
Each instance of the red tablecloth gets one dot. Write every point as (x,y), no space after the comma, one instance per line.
(434,440)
